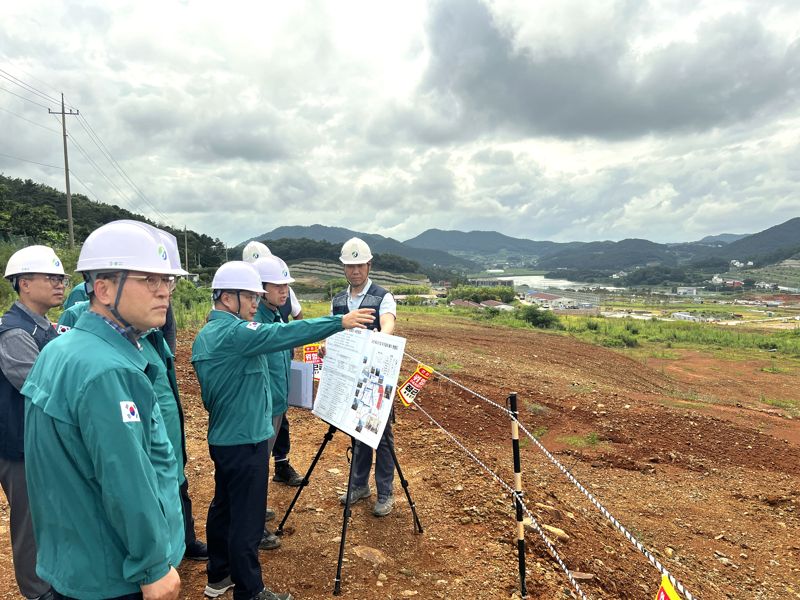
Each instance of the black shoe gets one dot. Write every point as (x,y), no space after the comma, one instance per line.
(269,515)
(285,473)
(196,550)
(269,541)
(266,594)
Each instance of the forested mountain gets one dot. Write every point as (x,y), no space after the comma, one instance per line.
(377,243)
(39,213)
(780,240)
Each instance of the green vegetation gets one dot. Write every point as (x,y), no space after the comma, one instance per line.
(792,407)
(590,440)
(501,293)
(631,333)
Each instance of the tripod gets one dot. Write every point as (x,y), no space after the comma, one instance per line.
(337,586)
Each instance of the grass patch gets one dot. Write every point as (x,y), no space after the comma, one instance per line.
(535,408)
(792,407)
(590,440)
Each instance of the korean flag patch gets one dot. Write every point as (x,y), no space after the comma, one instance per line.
(62,329)
(253,325)
(130,414)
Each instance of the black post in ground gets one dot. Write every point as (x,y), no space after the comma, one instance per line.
(404,483)
(337,583)
(306,477)
(512,400)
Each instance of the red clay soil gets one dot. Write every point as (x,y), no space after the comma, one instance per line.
(687,453)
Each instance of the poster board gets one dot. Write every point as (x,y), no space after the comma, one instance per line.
(358,382)
(301,385)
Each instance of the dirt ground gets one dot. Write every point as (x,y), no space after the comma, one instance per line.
(685,452)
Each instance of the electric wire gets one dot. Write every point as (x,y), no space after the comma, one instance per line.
(27,87)
(29,121)
(24,98)
(30,161)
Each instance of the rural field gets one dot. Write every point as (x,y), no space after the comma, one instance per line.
(695,451)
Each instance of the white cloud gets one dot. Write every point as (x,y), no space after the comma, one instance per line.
(547,120)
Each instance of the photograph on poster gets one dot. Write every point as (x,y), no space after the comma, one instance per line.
(357,382)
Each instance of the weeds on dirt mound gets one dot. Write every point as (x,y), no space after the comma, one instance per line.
(543,319)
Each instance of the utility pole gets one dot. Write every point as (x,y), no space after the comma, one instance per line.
(66,166)
(186,248)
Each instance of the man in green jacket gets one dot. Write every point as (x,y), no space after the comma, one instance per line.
(230,358)
(275,278)
(113,526)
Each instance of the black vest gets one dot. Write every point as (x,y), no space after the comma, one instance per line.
(372,299)
(285,311)
(12,404)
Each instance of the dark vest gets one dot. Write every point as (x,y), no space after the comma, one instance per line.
(285,311)
(372,299)
(12,404)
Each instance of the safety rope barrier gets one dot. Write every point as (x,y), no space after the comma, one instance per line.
(621,528)
(534,523)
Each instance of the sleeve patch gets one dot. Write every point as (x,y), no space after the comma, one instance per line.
(253,325)
(130,414)
(63,329)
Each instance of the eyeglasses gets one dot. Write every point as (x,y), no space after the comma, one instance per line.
(55,280)
(154,281)
(250,296)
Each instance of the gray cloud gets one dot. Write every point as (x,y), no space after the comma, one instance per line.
(479,80)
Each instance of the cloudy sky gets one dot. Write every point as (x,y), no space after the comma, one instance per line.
(551,120)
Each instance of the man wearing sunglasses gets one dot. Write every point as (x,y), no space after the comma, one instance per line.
(113,527)
(37,275)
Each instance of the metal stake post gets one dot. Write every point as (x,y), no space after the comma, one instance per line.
(512,400)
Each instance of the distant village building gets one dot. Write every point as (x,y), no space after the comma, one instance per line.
(458,303)
(684,316)
(485,282)
(497,305)
(546,300)
(686,291)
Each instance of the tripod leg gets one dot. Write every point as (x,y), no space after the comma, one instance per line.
(304,483)
(404,483)
(337,583)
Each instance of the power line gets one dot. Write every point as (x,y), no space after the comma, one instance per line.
(26,86)
(120,170)
(28,120)
(24,98)
(31,161)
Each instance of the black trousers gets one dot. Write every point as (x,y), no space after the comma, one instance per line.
(236,516)
(280,451)
(188,519)
(136,596)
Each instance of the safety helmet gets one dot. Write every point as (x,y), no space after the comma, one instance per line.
(255,250)
(355,252)
(34,259)
(272,269)
(125,246)
(169,240)
(237,275)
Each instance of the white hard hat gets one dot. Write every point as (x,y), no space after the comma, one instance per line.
(255,250)
(34,259)
(272,269)
(169,240)
(125,246)
(355,251)
(237,275)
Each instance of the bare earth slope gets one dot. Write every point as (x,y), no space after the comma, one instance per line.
(683,452)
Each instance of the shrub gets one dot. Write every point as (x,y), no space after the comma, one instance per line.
(543,319)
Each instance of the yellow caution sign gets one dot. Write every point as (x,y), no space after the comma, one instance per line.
(666,591)
(409,390)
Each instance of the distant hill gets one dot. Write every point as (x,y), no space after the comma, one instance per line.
(767,242)
(721,239)
(377,243)
(485,242)
(624,254)
(32,212)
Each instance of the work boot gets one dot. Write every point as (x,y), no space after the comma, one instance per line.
(220,587)
(269,515)
(196,550)
(266,594)
(285,474)
(356,494)
(269,541)
(383,506)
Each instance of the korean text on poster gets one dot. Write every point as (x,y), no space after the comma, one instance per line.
(358,382)
(311,355)
(413,385)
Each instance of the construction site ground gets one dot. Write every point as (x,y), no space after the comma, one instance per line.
(697,456)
